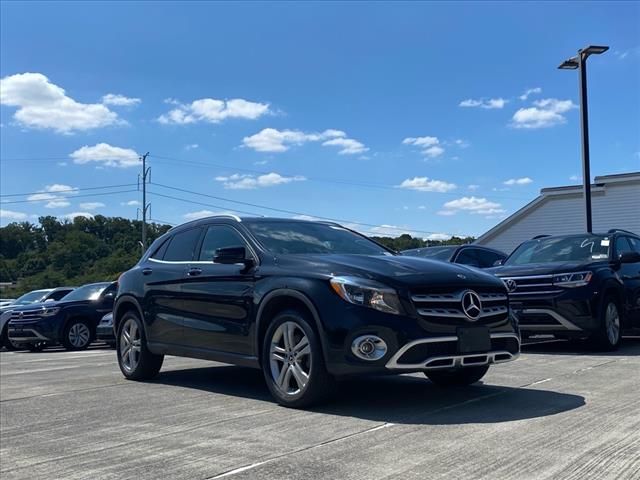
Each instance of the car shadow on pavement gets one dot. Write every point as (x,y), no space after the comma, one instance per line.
(630,345)
(404,399)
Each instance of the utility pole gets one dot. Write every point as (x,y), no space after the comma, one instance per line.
(145,174)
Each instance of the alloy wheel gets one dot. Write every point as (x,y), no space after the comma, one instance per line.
(79,335)
(290,359)
(130,345)
(612,322)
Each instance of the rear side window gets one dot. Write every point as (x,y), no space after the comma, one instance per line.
(161,250)
(182,246)
(57,295)
(635,244)
(622,245)
(219,236)
(488,258)
(468,257)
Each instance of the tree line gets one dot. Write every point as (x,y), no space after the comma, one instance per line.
(58,252)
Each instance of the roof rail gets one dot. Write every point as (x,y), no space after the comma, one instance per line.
(615,230)
(540,236)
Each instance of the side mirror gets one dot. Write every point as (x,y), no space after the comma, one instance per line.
(49,300)
(498,262)
(232,256)
(629,257)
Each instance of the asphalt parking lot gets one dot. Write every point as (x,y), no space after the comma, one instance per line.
(557,412)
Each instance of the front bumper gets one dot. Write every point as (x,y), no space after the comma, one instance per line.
(34,331)
(26,335)
(105,333)
(565,315)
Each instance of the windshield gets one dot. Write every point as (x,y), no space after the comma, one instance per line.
(88,292)
(310,237)
(437,253)
(31,297)
(578,248)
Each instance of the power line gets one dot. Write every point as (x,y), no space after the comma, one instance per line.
(204,204)
(164,222)
(279,210)
(78,189)
(173,160)
(66,198)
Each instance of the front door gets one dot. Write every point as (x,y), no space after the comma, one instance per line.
(630,274)
(218,299)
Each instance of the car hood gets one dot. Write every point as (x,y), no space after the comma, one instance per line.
(391,269)
(542,268)
(61,303)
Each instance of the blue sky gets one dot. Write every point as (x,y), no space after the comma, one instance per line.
(401,116)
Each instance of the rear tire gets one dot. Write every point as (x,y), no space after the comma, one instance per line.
(461,377)
(607,337)
(134,357)
(293,362)
(4,339)
(77,335)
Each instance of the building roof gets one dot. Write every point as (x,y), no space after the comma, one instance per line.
(597,186)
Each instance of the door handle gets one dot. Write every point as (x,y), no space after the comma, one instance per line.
(193,272)
(147,271)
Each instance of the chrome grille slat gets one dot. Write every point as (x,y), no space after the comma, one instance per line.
(532,285)
(448,305)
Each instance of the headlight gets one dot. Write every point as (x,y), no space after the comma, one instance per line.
(367,293)
(571,280)
(49,312)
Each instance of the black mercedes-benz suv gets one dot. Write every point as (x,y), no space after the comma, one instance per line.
(71,322)
(307,302)
(584,286)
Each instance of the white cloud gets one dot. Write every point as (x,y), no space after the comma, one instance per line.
(273,140)
(489,104)
(12,215)
(348,146)
(106,155)
(422,207)
(438,236)
(425,184)
(131,203)
(575,178)
(204,214)
(120,100)
(42,104)
(192,146)
(92,205)
(461,143)
(54,195)
(473,205)
(211,110)
(530,91)
(60,188)
(248,182)
(430,146)
(545,113)
(473,187)
(72,215)
(58,203)
(518,181)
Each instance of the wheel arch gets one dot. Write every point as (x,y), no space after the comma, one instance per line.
(281,299)
(126,303)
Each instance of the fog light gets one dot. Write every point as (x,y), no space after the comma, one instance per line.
(369,347)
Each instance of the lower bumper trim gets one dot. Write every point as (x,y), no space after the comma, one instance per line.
(27,335)
(563,323)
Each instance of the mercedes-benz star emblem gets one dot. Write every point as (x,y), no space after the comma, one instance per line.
(511,285)
(471,305)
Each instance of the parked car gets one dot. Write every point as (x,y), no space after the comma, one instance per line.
(472,255)
(71,322)
(32,298)
(104,330)
(585,286)
(307,302)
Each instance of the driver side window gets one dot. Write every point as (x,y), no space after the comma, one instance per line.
(219,236)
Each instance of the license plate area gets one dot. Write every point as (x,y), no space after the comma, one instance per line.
(473,339)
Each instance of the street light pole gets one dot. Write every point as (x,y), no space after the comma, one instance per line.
(580,62)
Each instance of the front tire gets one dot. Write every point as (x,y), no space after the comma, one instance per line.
(460,377)
(293,363)
(77,335)
(4,339)
(35,347)
(607,337)
(134,357)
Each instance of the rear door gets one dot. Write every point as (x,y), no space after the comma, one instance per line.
(218,299)
(163,275)
(630,274)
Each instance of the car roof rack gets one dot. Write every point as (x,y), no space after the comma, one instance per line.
(540,236)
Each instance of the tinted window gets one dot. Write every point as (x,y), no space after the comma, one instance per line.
(182,246)
(488,258)
(31,297)
(435,253)
(59,294)
(575,248)
(468,257)
(635,244)
(219,236)
(161,250)
(87,292)
(310,237)
(622,245)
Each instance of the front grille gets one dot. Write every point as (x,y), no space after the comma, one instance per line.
(26,316)
(531,285)
(437,306)
(537,319)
